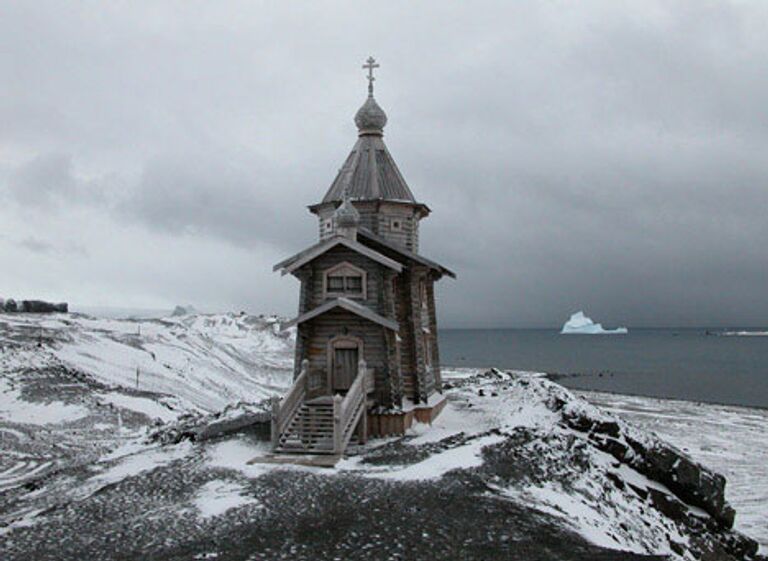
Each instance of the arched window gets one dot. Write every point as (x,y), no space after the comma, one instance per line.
(346,280)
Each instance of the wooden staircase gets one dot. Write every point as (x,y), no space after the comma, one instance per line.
(311,429)
(323,425)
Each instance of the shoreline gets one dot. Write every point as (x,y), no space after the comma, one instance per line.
(559,378)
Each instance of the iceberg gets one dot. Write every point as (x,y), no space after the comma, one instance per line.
(579,324)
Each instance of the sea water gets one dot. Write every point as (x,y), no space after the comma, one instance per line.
(690,364)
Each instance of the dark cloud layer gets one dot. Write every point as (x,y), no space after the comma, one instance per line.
(597,155)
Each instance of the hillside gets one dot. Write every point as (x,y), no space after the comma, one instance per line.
(548,474)
(205,361)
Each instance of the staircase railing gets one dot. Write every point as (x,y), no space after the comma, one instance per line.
(348,411)
(284,410)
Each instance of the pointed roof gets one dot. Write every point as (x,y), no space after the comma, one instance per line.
(345,304)
(370,172)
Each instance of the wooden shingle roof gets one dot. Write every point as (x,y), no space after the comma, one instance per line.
(370,173)
(369,238)
(303,257)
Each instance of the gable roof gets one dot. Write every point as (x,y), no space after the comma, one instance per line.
(346,304)
(370,236)
(303,257)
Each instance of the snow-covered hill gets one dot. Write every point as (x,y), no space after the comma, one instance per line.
(538,466)
(205,361)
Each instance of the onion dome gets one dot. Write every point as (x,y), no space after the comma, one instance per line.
(370,118)
(346,215)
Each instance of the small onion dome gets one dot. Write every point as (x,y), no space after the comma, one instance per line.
(370,118)
(346,215)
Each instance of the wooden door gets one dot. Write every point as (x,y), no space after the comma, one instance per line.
(344,367)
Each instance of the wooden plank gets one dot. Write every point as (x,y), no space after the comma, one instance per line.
(348,305)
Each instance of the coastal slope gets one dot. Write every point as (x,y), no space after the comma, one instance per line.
(517,467)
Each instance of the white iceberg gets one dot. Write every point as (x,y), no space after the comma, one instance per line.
(579,324)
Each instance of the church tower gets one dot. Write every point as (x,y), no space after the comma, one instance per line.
(367,361)
(371,178)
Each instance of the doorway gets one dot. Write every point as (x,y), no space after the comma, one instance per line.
(345,354)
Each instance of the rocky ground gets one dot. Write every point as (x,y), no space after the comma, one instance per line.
(731,440)
(517,467)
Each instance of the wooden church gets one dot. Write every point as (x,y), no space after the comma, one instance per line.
(367,359)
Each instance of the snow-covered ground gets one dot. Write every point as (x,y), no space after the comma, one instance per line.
(70,411)
(64,376)
(207,361)
(730,440)
(14,408)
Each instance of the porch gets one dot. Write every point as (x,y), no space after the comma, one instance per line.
(312,420)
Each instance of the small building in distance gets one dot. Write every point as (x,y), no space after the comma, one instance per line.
(367,361)
(33,307)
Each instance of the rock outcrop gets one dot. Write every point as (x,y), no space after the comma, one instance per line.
(560,447)
(691,482)
(240,417)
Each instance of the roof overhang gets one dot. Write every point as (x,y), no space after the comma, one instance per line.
(345,304)
(367,234)
(423,209)
(302,258)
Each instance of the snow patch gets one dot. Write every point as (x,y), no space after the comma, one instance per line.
(144,405)
(146,460)
(437,465)
(234,454)
(217,497)
(17,410)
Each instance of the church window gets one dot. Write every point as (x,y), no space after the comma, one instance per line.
(345,279)
(396,225)
(353,284)
(335,283)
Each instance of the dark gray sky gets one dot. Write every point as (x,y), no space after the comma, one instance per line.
(610,156)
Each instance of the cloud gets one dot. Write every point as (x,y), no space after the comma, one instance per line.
(602,156)
(35,245)
(48,182)
(43,182)
(237,202)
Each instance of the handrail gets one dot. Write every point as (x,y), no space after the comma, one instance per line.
(283,410)
(346,411)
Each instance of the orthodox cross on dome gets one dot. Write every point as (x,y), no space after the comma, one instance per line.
(369,65)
